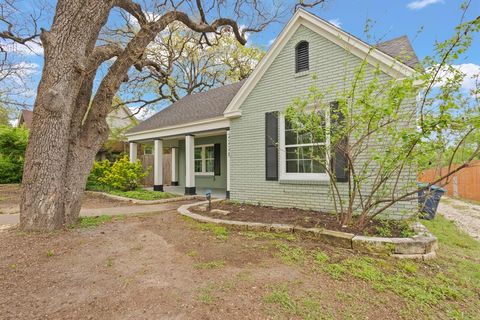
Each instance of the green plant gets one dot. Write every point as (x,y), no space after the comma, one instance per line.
(291,255)
(219,232)
(384,229)
(120,175)
(124,175)
(99,169)
(87,222)
(320,257)
(109,262)
(13,143)
(205,297)
(142,194)
(210,265)
(50,253)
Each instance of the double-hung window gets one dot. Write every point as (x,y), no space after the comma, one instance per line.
(304,153)
(204,159)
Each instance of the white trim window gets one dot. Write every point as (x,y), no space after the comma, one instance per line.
(204,162)
(302,157)
(148,150)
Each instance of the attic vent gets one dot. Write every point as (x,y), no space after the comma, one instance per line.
(301,57)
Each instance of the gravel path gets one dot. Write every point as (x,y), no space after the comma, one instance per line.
(465,215)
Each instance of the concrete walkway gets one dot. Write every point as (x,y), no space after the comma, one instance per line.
(12,219)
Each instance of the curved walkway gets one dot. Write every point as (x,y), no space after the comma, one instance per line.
(12,219)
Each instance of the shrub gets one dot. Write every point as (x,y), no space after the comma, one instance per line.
(13,143)
(98,171)
(120,175)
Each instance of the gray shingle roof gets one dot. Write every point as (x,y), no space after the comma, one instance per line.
(212,103)
(194,107)
(401,49)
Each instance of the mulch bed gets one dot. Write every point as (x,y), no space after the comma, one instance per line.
(293,216)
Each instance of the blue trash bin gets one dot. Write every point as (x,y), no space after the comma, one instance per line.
(428,199)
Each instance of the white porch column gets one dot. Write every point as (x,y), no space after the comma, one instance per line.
(133,151)
(174,166)
(190,165)
(158,165)
(228,164)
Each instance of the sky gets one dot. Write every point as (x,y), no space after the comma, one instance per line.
(423,21)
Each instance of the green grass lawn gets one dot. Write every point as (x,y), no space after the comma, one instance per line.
(142,194)
(447,287)
(139,194)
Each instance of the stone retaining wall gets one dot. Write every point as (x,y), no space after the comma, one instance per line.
(421,246)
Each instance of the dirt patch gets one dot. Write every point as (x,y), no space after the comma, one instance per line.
(10,199)
(299,217)
(9,196)
(162,266)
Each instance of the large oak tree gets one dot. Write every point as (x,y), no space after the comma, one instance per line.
(66,132)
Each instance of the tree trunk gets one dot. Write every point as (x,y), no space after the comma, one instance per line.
(47,187)
(69,126)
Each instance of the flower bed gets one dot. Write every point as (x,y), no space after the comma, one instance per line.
(420,245)
(303,218)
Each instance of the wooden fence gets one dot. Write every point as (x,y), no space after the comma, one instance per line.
(147,161)
(463,184)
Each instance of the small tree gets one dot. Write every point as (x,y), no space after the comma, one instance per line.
(382,132)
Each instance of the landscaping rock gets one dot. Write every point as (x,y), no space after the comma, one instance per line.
(415,245)
(421,246)
(277,227)
(309,232)
(202,208)
(257,226)
(218,211)
(408,256)
(336,238)
(373,245)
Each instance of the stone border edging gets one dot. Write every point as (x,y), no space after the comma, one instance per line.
(138,201)
(421,246)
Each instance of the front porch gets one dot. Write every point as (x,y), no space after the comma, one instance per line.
(199,162)
(216,193)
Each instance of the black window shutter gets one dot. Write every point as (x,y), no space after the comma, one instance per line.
(301,57)
(271,146)
(216,159)
(339,159)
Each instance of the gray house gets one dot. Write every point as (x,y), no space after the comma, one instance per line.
(219,138)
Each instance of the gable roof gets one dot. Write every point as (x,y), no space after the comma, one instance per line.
(400,48)
(25,119)
(220,101)
(194,107)
(388,64)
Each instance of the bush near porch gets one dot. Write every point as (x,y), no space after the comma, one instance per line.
(120,175)
(122,178)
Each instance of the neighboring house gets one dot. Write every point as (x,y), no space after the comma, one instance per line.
(25,119)
(119,120)
(219,139)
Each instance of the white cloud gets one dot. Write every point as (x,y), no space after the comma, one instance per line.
(271,41)
(336,22)
(420,4)
(471,74)
(29,49)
